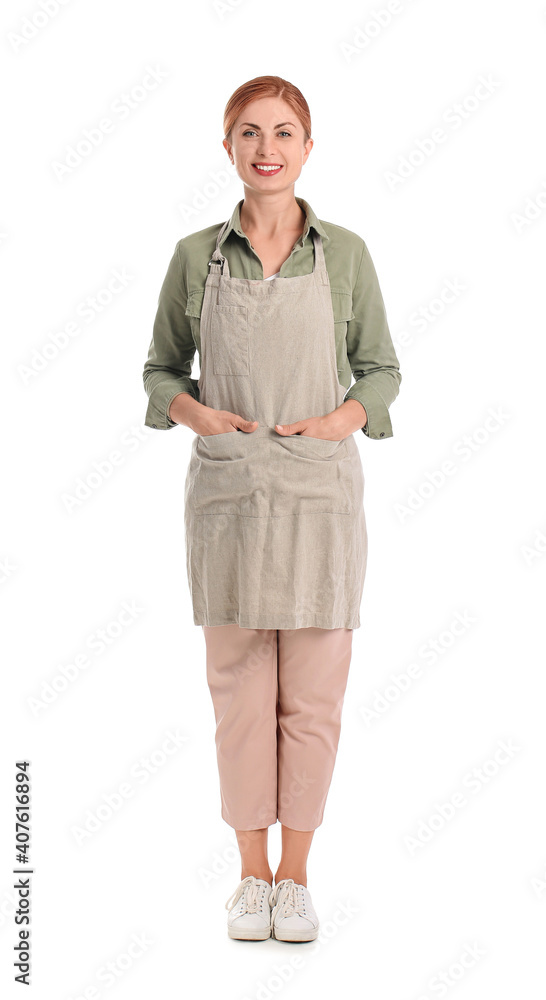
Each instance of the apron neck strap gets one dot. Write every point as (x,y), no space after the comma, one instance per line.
(320,263)
(218,263)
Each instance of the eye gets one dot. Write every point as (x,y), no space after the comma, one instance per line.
(250,131)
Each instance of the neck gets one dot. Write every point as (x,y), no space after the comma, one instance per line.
(269,216)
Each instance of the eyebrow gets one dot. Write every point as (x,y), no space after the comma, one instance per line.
(275,126)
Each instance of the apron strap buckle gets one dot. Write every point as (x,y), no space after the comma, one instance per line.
(219,263)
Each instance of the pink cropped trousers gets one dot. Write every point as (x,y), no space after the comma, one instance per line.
(278,698)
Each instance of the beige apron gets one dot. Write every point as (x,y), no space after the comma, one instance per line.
(275,530)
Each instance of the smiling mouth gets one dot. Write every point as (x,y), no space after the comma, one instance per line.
(267,169)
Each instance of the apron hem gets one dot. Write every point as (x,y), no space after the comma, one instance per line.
(274,622)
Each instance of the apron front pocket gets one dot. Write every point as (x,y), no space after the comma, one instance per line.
(229,336)
(219,471)
(311,476)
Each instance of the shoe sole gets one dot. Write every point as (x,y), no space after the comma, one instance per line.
(287,935)
(250,935)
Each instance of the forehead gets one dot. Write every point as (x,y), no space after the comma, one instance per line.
(268,111)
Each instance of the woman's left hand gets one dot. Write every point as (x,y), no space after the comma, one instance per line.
(346,419)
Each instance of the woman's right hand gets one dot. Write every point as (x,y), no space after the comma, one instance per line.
(205,420)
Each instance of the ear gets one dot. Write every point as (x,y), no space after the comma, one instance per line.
(227,148)
(307,149)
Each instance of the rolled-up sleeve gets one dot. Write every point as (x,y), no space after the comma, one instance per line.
(167,371)
(371,353)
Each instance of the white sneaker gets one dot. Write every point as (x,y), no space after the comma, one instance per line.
(249,912)
(293,917)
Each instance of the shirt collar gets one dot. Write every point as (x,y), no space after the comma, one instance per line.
(311,220)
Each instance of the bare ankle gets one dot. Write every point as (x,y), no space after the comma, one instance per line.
(258,872)
(300,878)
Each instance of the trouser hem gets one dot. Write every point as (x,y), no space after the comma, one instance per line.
(245,825)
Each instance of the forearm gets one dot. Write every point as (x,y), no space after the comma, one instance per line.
(376,391)
(183,409)
(162,387)
(349,417)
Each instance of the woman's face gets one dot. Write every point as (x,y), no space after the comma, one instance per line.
(268,132)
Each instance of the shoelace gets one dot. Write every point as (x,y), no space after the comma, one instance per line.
(291,898)
(250,887)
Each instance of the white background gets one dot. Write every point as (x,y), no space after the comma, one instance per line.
(471,211)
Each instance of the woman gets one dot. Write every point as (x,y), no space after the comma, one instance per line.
(281,307)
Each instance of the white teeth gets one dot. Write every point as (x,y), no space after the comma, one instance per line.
(264,168)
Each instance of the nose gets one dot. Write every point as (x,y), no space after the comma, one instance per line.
(265,147)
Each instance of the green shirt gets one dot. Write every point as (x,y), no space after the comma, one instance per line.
(363,342)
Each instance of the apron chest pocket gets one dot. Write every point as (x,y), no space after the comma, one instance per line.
(230,340)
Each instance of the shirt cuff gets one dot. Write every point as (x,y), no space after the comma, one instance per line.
(378,424)
(161,397)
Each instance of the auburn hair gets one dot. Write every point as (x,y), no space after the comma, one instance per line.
(267,86)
